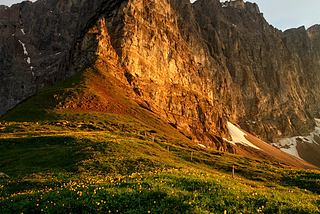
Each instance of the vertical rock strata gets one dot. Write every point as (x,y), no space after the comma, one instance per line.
(196,65)
(166,64)
(35,41)
(278,72)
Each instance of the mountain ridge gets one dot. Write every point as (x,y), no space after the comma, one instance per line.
(196,65)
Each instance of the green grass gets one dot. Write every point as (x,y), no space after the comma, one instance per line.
(157,191)
(108,168)
(68,160)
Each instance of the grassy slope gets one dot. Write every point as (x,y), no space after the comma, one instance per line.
(70,155)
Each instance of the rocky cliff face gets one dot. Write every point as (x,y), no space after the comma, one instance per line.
(273,69)
(198,66)
(168,66)
(36,42)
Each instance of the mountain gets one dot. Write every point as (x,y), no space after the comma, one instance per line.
(127,106)
(197,66)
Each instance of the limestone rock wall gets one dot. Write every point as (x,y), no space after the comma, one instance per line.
(168,67)
(278,72)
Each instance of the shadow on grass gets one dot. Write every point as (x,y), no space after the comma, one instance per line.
(21,156)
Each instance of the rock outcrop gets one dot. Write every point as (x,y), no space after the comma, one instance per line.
(196,65)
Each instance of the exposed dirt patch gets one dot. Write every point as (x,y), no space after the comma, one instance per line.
(309,152)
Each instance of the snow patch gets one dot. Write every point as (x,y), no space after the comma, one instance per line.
(250,121)
(289,145)
(202,145)
(58,53)
(238,136)
(26,53)
(229,141)
(24,47)
(22,31)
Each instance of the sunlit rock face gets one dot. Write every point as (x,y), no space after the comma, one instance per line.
(196,65)
(166,64)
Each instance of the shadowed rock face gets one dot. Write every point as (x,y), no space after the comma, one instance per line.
(197,66)
(36,40)
(278,73)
